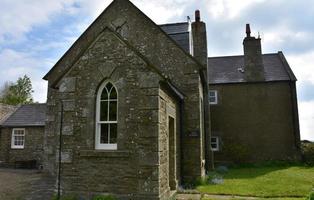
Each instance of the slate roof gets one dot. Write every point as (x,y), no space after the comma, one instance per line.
(227,69)
(179,32)
(5,112)
(27,115)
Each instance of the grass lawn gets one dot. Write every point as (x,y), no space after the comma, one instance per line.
(273,181)
(261,199)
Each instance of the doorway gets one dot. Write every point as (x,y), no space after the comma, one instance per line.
(172,153)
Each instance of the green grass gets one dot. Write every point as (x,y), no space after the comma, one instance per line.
(271,181)
(261,199)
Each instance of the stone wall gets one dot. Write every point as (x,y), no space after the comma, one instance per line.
(131,172)
(161,52)
(255,122)
(169,144)
(33,147)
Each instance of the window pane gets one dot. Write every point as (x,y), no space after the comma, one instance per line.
(109,86)
(104,134)
(212,99)
(104,111)
(212,94)
(113,93)
(113,111)
(104,94)
(113,133)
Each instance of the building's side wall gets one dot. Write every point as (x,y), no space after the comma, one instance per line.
(33,148)
(254,122)
(3,146)
(131,171)
(169,144)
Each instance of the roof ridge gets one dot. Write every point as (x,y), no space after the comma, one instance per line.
(232,56)
(176,23)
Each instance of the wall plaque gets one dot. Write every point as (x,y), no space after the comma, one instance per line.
(194,133)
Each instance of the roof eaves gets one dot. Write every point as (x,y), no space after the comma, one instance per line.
(74,45)
(173,90)
(287,66)
(22,125)
(246,82)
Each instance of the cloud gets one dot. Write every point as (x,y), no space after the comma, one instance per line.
(33,42)
(228,9)
(15,64)
(306,120)
(18,18)
(303,66)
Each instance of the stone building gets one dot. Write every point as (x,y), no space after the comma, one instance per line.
(22,134)
(131,101)
(134,107)
(254,110)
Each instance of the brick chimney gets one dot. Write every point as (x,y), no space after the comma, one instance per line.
(253,61)
(199,39)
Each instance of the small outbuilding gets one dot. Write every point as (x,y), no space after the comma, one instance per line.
(21,143)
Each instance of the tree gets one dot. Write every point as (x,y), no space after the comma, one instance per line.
(17,93)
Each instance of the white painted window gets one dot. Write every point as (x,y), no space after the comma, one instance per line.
(213,97)
(18,138)
(214,143)
(106,117)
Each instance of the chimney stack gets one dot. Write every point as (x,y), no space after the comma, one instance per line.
(197,16)
(199,38)
(248,30)
(253,60)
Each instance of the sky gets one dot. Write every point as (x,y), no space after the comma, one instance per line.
(34,34)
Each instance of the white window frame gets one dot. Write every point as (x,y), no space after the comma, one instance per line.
(13,145)
(215,96)
(216,143)
(98,145)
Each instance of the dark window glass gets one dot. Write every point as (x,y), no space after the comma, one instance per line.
(104,136)
(113,94)
(104,111)
(104,94)
(113,111)
(109,86)
(113,133)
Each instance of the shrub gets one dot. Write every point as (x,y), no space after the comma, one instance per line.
(311,196)
(222,169)
(104,197)
(308,153)
(65,198)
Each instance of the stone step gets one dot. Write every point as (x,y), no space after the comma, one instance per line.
(188,197)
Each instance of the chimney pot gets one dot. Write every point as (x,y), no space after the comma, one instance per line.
(248,30)
(197,16)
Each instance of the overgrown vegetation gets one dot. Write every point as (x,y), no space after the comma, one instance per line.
(104,197)
(308,153)
(17,93)
(270,181)
(311,196)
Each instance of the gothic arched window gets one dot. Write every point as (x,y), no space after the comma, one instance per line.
(107,117)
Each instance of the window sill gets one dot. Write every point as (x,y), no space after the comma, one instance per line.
(17,148)
(104,153)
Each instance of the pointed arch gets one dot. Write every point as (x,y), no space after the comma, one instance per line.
(106,117)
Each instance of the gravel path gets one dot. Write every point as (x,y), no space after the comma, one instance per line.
(25,185)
